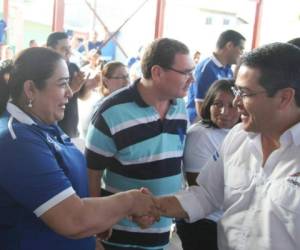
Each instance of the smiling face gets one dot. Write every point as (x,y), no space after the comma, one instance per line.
(175,81)
(222,112)
(258,111)
(49,103)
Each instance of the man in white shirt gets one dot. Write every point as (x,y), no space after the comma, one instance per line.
(256,175)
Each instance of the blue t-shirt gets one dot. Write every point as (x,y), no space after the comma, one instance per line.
(95,45)
(206,72)
(40,167)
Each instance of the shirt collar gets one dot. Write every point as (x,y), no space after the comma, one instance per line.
(18,114)
(217,62)
(291,135)
(138,98)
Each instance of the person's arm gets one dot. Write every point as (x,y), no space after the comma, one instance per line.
(169,206)
(94,182)
(88,86)
(77,81)
(77,218)
(198,106)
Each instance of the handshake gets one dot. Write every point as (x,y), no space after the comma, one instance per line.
(145,209)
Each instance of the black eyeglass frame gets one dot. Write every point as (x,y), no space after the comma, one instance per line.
(188,73)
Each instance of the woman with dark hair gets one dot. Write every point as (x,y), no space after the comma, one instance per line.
(43,176)
(202,143)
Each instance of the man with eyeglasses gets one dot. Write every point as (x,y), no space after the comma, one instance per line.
(137,136)
(256,176)
(229,47)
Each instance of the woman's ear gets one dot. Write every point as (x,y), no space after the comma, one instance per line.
(29,89)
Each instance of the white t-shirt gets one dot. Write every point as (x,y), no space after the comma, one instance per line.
(202,143)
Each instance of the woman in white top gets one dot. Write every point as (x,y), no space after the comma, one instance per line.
(203,141)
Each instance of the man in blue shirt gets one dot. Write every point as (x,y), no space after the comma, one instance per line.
(229,47)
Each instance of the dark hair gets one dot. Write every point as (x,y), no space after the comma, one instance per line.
(36,64)
(217,86)
(161,52)
(295,41)
(5,68)
(54,37)
(279,67)
(229,36)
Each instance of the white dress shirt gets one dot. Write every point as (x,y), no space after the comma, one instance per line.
(261,203)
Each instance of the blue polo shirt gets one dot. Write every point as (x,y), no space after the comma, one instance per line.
(135,148)
(206,72)
(40,167)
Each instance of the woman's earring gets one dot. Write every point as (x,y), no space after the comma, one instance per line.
(30,103)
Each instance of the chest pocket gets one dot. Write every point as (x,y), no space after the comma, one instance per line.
(285,194)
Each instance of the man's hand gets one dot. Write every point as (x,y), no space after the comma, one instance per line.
(143,203)
(146,221)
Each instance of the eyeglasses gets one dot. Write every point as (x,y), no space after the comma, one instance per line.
(187,73)
(237,92)
(119,77)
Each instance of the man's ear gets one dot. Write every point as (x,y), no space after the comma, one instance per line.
(156,72)
(286,97)
(29,89)
(229,45)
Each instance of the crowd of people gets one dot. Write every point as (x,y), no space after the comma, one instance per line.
(235,140)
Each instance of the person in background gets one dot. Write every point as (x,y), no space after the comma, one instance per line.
(80,84)
(8,53)
(78,57)
(5,68)
(229,47)
(93,42)
(44,200)
(32,43)
(256,174)
(3,36)
(196,57)
(137,136)
(204,139)
(135,70)
(114,76)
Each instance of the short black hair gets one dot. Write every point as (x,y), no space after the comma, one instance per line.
(54,37)
(229,36)
(161,52)
(295,41)
(217,86)
(279,67)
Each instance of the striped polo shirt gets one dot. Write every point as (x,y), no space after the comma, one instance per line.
(135,148)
